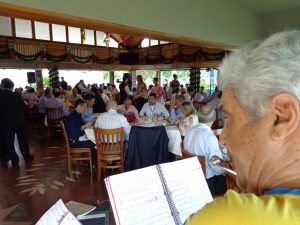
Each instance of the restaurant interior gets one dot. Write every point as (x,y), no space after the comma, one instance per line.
(42,41)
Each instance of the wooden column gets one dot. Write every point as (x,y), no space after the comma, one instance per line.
(111,77)
(133,78)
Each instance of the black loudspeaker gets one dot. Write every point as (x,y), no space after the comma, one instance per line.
(128,58)
(31,77)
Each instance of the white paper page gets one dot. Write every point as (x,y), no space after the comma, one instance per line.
(137,198)
(187,184)
(58,214)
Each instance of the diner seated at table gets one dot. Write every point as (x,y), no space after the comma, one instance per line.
(42,103)
(153,107)
(69,92)
(112,120)
(201,141)
(31,98)
(75,129)
(190,118)
(176,108)
(200,95)
(127,108)
(75,96)
(56,102)
(188,96)
(88,114)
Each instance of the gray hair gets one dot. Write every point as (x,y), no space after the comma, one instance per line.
(180,98)
(261,70)
(206,114)
(111,104)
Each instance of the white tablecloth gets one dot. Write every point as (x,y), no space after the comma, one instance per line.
(172,132)
(174,140)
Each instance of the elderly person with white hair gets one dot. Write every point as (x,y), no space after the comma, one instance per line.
(112,120)
(261,96)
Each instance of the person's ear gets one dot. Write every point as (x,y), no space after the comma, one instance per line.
(285,108)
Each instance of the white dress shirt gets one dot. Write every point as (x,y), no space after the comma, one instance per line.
(112,120)
(201,141)
(131,109)
(150,110)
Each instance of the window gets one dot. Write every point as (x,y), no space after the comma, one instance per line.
(5,26)
(209,80)
(74,35)
(153,42)
(89,37)
(145,43)
(23,28)
(42,30)
(113,43)
(100,38)
(163,42)
(59,33)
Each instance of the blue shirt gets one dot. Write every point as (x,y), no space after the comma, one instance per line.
(282,190)
(88,115)
(201,141)
(73,125)
(176,113)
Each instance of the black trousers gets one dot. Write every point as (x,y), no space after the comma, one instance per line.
(3,154)
(8,137)
(86,144)
(217,185)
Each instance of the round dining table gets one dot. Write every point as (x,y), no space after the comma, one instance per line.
(174,145)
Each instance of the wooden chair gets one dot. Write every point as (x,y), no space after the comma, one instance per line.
(110,149)
(54,116)
(186,155)
(76,154)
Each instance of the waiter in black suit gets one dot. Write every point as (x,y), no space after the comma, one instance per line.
(12,122)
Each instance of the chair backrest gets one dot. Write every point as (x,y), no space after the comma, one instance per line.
(201,159)
(109,141)
(65,135)
(54,113)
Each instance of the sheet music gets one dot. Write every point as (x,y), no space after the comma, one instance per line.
(187,185)
(58,214)
(137,198)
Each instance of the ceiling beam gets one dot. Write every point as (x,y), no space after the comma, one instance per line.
(19,64)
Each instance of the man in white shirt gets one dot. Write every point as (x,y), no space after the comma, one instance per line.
(112,120)
(189,94)
(201,141)
(153,107)
(128,108)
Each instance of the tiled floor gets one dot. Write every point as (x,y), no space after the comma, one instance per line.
(38,185)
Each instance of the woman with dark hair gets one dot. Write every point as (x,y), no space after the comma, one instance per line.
(124,89)
(99,106)
(141,92)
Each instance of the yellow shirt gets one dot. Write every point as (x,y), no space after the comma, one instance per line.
(249,209)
